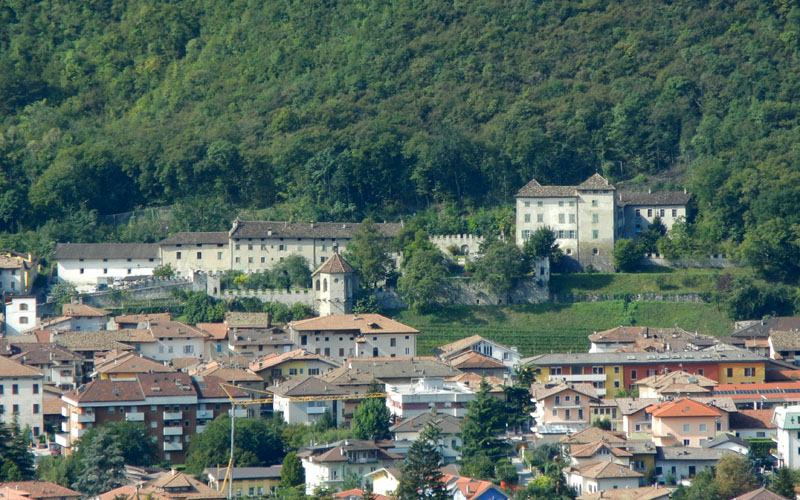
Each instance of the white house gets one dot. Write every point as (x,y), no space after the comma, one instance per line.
(592,477)
(424,394)
(20,313)
(787,436)
(683,462)
(173,340)
(93,263)
(292,403)
(17,272)
(409,430)
(509,356)
(21,395)
(329,465)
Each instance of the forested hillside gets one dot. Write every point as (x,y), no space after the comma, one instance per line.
(345,109)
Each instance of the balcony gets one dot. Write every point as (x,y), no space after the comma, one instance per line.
(579,377)
(173,431)
(316,410)
(134,416)
(65,412)
(199,429)
(77,433)
(82,417)
(62,440)
(173,415)
(201,414)
(238,413)
(176,446)
(64,426)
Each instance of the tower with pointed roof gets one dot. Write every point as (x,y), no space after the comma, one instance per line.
(335,284)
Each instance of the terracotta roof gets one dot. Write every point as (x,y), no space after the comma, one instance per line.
(43,354)
(10,368)
(174,329)
(345,376)
(590,449)
(625,198)
(168,486)
(473,381)
(82,310)
(275,359)
(40,489)
(534,189)
(602,470)
(677,378)
(210,387)
(104,340)
(388,369)
(629,406)
(751,419)
(142,318)
(103,391)
(193,238)
(228,374)
(475,360)
(277,229)
(272,337)
(618,334)
(456,347)
(593,434)
(217,331)
(784,340)
(470,488)
(367,324)
(543,391)
(447,424)
(760,494)
(643,493)
(336,452)
(11,262)
(356,493)
(334,265)
(247,319)
(761,329)
(307,386)
(237,473)
(184,363)
(71,251)
(684,407)
(52,406)
(596,181)
(128,362)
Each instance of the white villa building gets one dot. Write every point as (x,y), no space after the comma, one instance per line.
(20,313)
(93,263)
(420,396)
(21,394)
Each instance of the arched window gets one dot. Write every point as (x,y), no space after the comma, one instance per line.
(325,285)
(23,307)
(317,285)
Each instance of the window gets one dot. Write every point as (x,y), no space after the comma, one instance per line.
(328,351)
(692,470)
(249,260)
(23,307)
(686,442)
(566,414)
(595,251)
(749,372)
(572,218)
(219,255)
(105,271)
(199,255)
(687,427)
(527,217)
(700,371)
(661,212)
(250,247)
(177,255)
(15,408)
(649,212)
(14,389)
(555,412)
(263,260)
(35,409)
(729,372)
(374,352)
(281,248)
(188,349)
(616,384)
(572,203)
(569,251)
(539,217)
(23,320)
(702,427)
(393,342)
(556,370)
(526,233)
(577,400)
(674,213)
(527,203)
(237,260)
(633,375)
(594,203)
(595,218)
(36,388)
(561,218)
(539,203)
(237,246)
(560,203)
(598,370)
(408,351)
(81,270)
(638,213)
(292,371)
(595,234)
(616,369)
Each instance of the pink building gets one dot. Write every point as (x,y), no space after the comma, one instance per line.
(686,422)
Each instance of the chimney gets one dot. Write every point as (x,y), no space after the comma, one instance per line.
(174,471)
(649,191)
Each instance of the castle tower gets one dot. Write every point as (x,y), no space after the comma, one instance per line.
(335,284)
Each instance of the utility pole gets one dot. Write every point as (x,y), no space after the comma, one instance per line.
(230,461)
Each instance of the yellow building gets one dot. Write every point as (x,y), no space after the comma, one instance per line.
(297,363)
(246,481)
(17,271)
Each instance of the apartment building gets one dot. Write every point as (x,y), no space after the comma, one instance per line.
(93,263)
(508,356)
(173,340)
(563,407)
(786,420)
(172,406)
(21,395)
(686,422)
(59,366)
(424,394)
(331,464)
(304,400)
(343,336)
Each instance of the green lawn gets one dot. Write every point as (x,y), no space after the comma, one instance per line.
(542,328)
(664,280)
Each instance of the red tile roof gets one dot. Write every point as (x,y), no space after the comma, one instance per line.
(684,407)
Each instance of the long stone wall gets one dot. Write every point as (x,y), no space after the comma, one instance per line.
(467,244)
(569,298)
(712,261)
(288,297)
(467,291)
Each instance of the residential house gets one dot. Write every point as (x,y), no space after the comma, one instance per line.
(385,481)
(563,407)
(648,339)
(245,321)
(254,343)
(760,329)
(125,365)
(616,339)
(592,435)
(637,423)
(637,210)
(675,385)
(582,216)
(607,409)
(17,272)
(60,366)
(354,382)
(785,345)
(275,367)
(686,421)
(598,451)
(217,339)
(727,441)
(20,313)
(93,263)
(420,396)
(343,336)
(642,493)
(591,477)
(787,436)
(466,488)
(228,372)
(173,339)
(408,430)
(402,370)
(39,490)
(329,465)
(473,382)
(752,424)
(172,485)
(137,321)
(91,344)
(188,252)
(304,400)
(260,245)
(21,395)
(245,481)
(508,356)
(77,317)
(615,370)
(482,366)
(172,406)
(357,494)
(760,494)
(683,462)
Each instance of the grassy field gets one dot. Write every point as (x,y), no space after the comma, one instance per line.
(662,280)
(542,328)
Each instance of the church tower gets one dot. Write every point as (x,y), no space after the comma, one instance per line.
(335,284)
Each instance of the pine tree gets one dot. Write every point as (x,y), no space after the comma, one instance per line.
(292,472)
(18,452)
(103,466)
(372,417)
(784,482)
(421,475)
(485,419)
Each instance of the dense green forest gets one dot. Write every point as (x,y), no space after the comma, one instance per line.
(340,110)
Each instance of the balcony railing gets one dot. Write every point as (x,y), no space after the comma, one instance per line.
(134,416)
(173,431)
(173,446)
(199,429)
(82,417)
(316,410)
(173,415)
(238,413)
(201,414)
(62,440)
